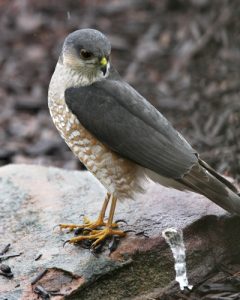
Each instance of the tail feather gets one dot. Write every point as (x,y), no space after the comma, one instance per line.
(218,176)
(206,181)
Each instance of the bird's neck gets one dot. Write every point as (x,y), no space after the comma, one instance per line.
(75,77)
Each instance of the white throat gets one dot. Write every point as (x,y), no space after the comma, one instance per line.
(65,77)
(83,77)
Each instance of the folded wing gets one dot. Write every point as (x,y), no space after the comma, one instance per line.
(123,120)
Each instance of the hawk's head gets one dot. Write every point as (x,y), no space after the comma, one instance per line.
(87,51)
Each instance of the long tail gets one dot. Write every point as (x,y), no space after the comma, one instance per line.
(206,181)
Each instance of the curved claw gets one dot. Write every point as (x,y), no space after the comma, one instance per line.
(129,230)
(66,242)
(91,236)
(121,221)
(142,233)
(98,248)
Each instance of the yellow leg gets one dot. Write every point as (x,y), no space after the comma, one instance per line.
(87,223)
(102,234)
(112,211)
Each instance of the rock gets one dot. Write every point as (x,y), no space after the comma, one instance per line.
(34,199)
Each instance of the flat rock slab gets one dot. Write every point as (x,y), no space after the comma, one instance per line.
(34,199)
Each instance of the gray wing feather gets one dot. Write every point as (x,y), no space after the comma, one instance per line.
(123,120)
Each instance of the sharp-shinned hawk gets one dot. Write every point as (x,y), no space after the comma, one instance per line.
(119,136)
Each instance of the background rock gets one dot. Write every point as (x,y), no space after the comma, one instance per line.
(34,199)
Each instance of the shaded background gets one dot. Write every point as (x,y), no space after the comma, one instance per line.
(183,56)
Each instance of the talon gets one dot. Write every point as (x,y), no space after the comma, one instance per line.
(94,253)
(142,233)
(98,236)
(67,241)
(129,230)
(121,221)
(94,234)
(113,244)
(97,249)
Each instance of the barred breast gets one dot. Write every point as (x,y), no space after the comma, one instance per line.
(120,176)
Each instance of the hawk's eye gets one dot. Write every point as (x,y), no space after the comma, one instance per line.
(85,54)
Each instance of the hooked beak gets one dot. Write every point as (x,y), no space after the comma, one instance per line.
(103,63)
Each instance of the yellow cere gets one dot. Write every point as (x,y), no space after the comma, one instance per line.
(103,61)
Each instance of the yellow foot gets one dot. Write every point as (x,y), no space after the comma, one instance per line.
(98,236)
(86,225)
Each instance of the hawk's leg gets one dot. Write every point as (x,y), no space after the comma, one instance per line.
(87,223)
(101,234)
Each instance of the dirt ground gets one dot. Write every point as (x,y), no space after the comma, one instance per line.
(182,55)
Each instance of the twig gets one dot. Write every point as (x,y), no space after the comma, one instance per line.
(38,277)
(4,257)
